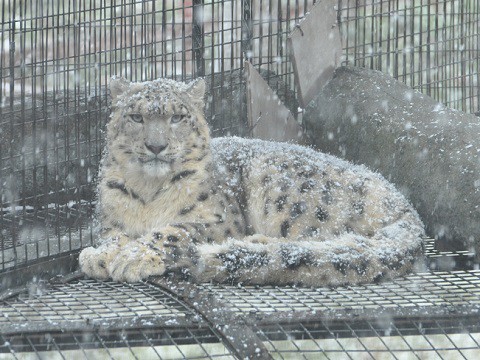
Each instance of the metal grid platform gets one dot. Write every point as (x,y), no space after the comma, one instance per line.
(433,314)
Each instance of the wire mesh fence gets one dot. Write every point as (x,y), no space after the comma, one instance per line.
(433,46)
(56,59)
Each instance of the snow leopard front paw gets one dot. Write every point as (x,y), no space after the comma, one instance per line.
(93,262)
(122,259)
(136,261)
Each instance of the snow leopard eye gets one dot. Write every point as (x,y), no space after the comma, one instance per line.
(136,118)
(177,118)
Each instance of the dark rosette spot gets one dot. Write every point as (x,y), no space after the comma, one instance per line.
(241,258)
(298,209)
(203,196)
(281,201)
(284,228)
(307,185)
(358,207)
(341,266)
(295,256)
(321,214)
(172,238)
(187,209)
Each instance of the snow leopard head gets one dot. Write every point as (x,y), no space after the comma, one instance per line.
(156,126)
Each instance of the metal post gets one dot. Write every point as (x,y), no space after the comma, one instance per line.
(247,33)
(198,35)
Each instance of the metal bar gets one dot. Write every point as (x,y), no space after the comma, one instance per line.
(247,31)
(82,340)
(198,37)
(235,334)
(467,314)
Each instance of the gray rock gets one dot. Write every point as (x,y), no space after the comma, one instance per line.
(429,151)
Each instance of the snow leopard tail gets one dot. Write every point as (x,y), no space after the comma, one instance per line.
(348,259)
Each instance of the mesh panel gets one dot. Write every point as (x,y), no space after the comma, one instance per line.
(424,289)
(87,318)
(421,315)
(448,338)
(124,344)
(56,59)
(430,45)
(89,300)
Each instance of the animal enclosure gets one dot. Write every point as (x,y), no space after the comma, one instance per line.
(56,60)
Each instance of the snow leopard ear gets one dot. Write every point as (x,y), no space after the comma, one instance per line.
(196,89)
(118,85)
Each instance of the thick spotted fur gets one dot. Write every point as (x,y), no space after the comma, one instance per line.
(236,210)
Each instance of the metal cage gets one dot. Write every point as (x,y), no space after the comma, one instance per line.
(56,59)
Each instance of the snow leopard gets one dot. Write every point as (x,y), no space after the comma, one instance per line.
(173,201)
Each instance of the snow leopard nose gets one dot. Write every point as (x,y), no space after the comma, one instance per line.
(156,149)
